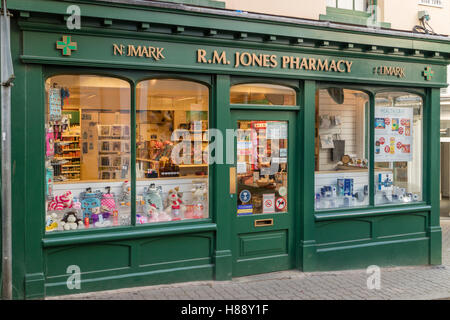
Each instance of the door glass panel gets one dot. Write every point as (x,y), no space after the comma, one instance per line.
(262,153)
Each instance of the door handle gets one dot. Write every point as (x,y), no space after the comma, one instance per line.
(232,180)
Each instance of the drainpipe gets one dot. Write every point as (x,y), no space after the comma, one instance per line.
(7,77)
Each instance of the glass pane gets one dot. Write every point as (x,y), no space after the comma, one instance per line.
(341,147)
(398,148)
(260,93)
(360,5)
(87,152)
(171,150)
(331,3)
(345,4)
(262,151)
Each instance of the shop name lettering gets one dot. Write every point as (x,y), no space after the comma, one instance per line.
(130,50)
(246,59)
(390,71)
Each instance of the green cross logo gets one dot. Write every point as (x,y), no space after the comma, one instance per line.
(66,45)
(428,73)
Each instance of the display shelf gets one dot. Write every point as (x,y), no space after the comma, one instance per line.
(66,150)
(192,165)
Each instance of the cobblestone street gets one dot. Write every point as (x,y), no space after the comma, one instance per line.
(421,282)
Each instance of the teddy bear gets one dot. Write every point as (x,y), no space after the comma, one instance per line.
(61,202)
(70,221)
(175,205)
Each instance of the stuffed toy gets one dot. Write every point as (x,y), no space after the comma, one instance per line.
(153,199)
(152,213)
(199,196)
(61,202)
(51,223)
(71,221)
(125,196)
(175,205)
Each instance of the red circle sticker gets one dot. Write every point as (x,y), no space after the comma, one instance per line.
(268,203)
(280,203)
(387,121)
(399,145)
(387,149)
(382,141)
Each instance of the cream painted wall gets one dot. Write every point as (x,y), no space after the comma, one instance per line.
(402,14)
(308,9)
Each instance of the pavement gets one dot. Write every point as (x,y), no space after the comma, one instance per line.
(396,283)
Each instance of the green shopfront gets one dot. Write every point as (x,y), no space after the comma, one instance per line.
(167,143)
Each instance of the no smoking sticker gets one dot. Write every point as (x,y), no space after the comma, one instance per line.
(269,203)
(280,203)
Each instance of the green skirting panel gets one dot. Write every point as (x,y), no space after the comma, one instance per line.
(128,263)
(386,240)
(383,254)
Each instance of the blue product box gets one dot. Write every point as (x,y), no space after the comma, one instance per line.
(348,187)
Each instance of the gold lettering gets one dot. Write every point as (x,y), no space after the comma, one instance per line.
(266,60)
(294,61)
(132,51)
(145,52)
(159,53)
(256,60)
(322,65)
(273,60)
(349,66)
(118,49)
(284,61)
(339,66)
(304,64)
(237,58)
(201,56)
(249,59)
(312,64)
(333,66)
(219,59)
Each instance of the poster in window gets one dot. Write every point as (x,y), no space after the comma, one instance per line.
(393,134)
(54,103)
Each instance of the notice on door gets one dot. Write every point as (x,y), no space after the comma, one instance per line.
(269,203)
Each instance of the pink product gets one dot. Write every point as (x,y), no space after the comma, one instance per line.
(108,201)
(50,149)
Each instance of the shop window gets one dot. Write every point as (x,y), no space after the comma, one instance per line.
(87,152)
(171,150)
(398,148)
(262,94)
(341,148)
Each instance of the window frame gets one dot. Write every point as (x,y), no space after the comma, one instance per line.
(133,78)
(372,91)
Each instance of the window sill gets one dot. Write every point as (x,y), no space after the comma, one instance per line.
(127,233)
(370,212)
